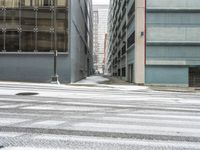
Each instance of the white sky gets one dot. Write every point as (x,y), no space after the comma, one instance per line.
(101,1)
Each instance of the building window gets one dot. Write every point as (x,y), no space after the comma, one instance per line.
(11,3)
(124,72)
(124,49)
(28,19)
(28,41)
(131,40)
(33,25)
(119,72)
(12,19)
(1,40)
(12,41)
(131,11)
(41,3)
(61,3)
(26,3)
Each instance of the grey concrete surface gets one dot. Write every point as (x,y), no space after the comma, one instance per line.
(97,118)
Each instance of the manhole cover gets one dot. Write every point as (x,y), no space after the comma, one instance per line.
(27,94)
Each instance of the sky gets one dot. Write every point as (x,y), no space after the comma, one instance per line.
(101,1)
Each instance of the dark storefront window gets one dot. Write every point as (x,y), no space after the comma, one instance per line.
(1,40)
(61,38)
(33,25)
(1,27)
(28,19)
(44,41)
(1,18)
(44,19)
(28,41)
(12,19)
(61,30)
(12,41)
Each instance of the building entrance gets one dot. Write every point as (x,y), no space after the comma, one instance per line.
(194,77)
(130,73)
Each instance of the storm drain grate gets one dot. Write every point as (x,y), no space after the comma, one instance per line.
(26,94)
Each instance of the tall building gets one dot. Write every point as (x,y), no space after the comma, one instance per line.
(105,69)
(32,30)
(155,41)
(95,38)
(100,18)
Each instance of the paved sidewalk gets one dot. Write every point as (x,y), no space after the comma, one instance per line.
(117,81)
(175,89)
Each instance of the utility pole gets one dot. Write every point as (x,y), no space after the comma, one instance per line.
(55,76)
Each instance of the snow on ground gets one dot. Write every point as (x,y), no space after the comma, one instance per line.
(28,148)
(11,83)
(53,90)
(128,87)
(96,80)
(92,80)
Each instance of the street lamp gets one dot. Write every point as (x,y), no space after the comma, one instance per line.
(55,76)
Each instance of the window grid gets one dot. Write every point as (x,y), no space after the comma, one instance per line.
(30,26)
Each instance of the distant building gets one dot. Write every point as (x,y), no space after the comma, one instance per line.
(30,32)
(100,18)
(155,41)
(105,68)
(95,38)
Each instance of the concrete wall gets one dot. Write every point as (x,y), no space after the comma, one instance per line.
(170,4)
(139,42)
(80,51)
(173,55)
(33,67)
(167,75)
(173,29)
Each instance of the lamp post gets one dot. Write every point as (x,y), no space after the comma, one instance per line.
(55,76)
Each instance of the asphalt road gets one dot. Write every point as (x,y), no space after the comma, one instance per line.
(97,118)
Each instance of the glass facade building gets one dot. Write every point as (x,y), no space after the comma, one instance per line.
(33,25)
(32,30)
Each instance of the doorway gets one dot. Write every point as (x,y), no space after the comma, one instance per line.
(130,73)
(194,77)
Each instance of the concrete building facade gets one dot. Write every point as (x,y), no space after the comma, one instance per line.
(100,24)
(32,30)
(155,42)
(95,38)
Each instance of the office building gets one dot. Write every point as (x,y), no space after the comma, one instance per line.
(32,30)
(95,39)
(155,41)
(100,18)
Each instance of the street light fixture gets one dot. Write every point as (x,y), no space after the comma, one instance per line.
(55,77)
